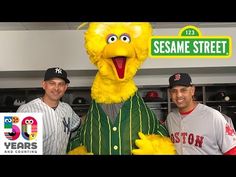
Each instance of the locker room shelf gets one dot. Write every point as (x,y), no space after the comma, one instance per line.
(161,107)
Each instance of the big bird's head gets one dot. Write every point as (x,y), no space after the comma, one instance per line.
(117,49)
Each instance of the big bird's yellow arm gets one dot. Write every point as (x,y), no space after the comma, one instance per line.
(153,145)
(147,144)
(81,150)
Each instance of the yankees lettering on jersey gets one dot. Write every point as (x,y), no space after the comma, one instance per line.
(189,138)
(66,125)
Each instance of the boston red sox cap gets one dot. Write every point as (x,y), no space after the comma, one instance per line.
(56,72)
(180,79)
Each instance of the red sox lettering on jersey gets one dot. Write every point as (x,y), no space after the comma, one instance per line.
(189,138)
(196,140)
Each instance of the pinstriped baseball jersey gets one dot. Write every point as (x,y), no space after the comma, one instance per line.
(101,136)
(57,124)
(203,131)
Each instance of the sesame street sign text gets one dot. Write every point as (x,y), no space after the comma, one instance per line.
(190,43)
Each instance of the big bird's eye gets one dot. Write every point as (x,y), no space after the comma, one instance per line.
(125,38)
(111,38)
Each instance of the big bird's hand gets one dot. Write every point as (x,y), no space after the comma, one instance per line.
(153,145)
(81,150)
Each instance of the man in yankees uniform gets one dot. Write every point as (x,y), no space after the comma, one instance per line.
(195,128)
(58,117)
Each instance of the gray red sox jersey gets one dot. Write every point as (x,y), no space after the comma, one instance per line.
(203,131)
(57,124)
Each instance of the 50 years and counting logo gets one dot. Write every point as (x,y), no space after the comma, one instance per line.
(21,133)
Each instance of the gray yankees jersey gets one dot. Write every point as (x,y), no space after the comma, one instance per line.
(57,124)
(203,131)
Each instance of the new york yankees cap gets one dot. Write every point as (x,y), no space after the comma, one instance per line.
(56,72)
(180,79)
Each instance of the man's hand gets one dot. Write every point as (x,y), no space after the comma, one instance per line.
(153,145)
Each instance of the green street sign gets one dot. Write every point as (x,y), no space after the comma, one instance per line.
(190,44)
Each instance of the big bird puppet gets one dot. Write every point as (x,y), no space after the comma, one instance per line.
(118,121)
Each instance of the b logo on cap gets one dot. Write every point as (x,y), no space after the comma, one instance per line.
(177,77)
(58,71)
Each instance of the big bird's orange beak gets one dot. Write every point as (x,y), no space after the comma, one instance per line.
(120,63)
(119,52)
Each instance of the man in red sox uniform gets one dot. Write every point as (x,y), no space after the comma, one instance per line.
(195,128)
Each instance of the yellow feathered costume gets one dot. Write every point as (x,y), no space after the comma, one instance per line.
(118,116)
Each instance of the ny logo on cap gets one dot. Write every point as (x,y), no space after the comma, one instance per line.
(177,77)
(58,70)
